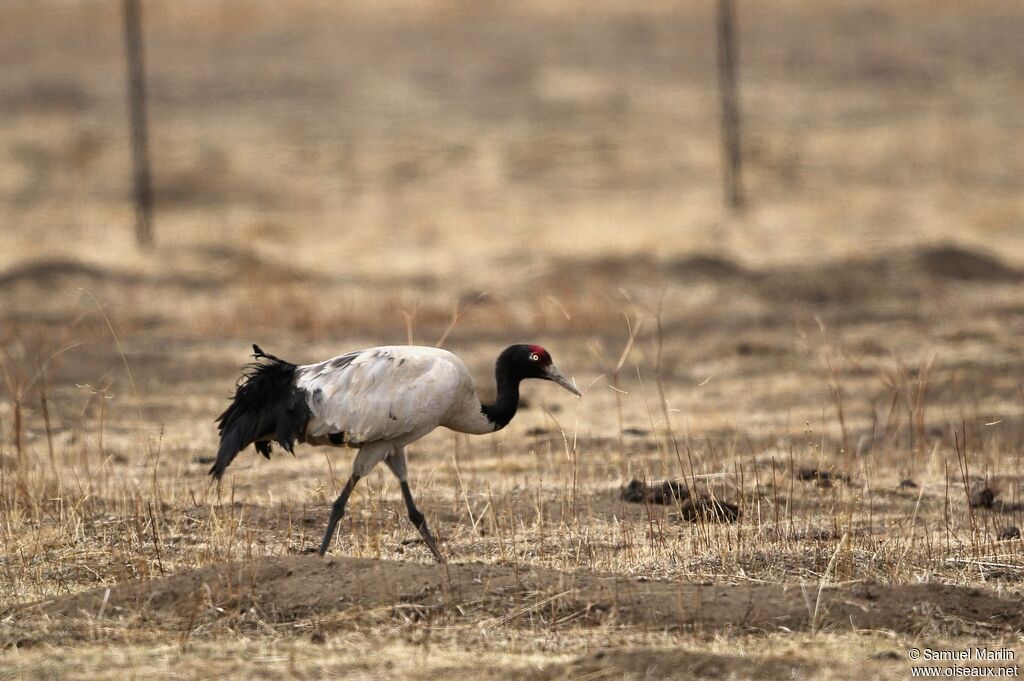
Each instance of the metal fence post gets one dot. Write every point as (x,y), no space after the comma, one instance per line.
(141,178)
(730,122)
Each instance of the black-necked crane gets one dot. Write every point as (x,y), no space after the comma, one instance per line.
(378,401)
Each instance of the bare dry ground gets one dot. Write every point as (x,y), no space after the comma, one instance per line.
(287,589)
(842,361)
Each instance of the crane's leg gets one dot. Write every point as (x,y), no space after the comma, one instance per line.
(368,457)
(337,511)
(396,462)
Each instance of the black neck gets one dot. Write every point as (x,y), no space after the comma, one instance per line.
(505,405)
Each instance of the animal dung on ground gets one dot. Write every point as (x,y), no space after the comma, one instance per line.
(709,510)
(1009,532)
(662,493)
(886,655)
(670,492)
(981,495)
(823,477)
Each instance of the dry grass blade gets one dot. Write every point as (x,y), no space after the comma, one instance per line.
(524,610)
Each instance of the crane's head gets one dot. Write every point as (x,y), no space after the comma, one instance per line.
(532,361)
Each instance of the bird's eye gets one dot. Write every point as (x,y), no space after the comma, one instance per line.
(534,356)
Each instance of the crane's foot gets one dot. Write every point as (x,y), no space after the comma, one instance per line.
(417,519)
(429,540)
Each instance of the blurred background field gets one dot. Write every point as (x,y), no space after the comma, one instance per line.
(334,175)
(441,139)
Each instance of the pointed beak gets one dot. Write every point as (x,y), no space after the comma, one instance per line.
(555,375)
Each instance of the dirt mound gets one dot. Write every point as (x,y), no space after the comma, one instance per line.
(45,96)
(690,268)
(199,269)
(952,262)
(58,271)
(705,266)
(292,588)
(53,273)
(222,265)
(909,274)
(674,664)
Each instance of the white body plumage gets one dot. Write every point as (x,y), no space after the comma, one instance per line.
(390,393)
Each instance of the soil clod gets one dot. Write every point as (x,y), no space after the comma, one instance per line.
(663,493)
(693,507)
(709,510)
(1009,532)
(981,495)
(824,478)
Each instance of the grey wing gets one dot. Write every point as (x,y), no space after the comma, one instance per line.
(378,395)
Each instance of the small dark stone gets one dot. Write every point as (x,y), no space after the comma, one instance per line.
(907,483)
(638,432)
(748,348)
(318,638)
(886,655)
(744,348)
(1009,532)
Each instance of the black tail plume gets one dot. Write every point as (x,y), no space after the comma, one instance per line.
(267,407)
